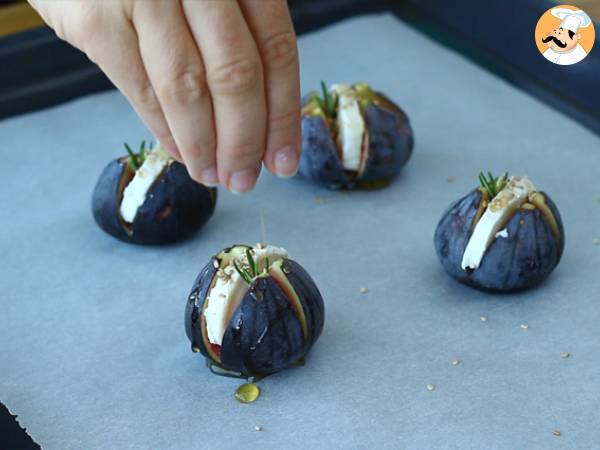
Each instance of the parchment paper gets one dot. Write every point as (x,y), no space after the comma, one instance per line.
(93,353)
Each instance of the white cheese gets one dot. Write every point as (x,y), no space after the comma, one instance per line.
(497,213)
(503,233)
(229,289)
(135,192)
(351,126)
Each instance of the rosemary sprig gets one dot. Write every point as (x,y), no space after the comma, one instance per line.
(136,159)
(133,161)
(245,274)
(329,102)
(251,262)
(248,274)
(143,151)
(492,184)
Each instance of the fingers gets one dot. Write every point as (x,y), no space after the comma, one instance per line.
(109,40)
(235,79)
(271,25)
(176,71)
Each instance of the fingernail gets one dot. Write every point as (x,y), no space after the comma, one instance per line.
(286,162)
(242,181)
(210,177)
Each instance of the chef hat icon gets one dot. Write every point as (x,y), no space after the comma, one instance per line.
(572,20)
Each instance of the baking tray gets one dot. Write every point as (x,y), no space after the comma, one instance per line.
(94,353)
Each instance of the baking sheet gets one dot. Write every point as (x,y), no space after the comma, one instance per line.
(93,352)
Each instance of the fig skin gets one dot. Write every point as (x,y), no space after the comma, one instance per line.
(264,335)
(391,142)
(319,160)
(389,138)
(175,206)
(515,263)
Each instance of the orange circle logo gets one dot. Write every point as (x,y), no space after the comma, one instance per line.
(565,35)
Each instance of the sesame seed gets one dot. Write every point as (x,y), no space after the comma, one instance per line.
(363,290)
(557,433)
(483,318)
(565,355)
(455,362)
(258,428)
(431,387)
(215,264)
(524,326)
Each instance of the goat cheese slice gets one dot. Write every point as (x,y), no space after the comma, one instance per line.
(135,192)
(497,213)
(230,288)
(351,126)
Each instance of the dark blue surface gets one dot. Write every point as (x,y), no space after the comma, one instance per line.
(500,34)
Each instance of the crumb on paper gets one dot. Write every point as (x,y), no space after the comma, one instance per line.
(525,326)
(364,290)
(431,387)
(557,433)
(456,362)
(565,355)
(483,318)
(258,428)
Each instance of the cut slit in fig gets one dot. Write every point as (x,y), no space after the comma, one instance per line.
(273,326)
(124,181)
(126,178)
(331,151)
(536,200)
(237,291)
(521,255)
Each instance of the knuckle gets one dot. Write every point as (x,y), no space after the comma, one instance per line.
(242,154)
(183,87)
(84,25)
(200,161)
(61,31)
(145,97)
(280,50)
(237,77)
(285,120)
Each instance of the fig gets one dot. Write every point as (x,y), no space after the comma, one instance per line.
(353,137)
(503,236)
(148,198)
(252,311)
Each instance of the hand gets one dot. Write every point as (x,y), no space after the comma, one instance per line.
(216,81)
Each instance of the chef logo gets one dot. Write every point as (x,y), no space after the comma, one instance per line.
(564,35)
